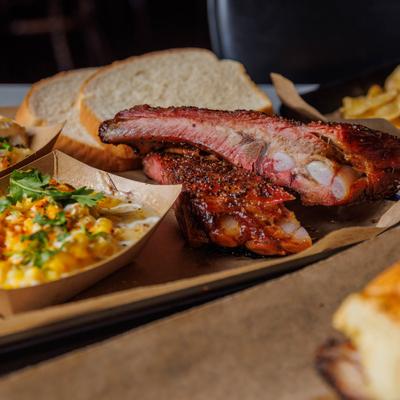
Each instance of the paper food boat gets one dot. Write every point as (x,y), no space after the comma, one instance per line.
(157,199)
(41,142)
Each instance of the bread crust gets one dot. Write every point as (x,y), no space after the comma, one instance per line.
(90,120)
(97,157)
(107,157)
(24,114)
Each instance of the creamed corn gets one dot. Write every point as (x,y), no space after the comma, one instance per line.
(49,230)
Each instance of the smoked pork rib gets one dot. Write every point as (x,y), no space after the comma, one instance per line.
(228,206)
(327,164)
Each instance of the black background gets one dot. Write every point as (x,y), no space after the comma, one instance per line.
(125,27)
(310,41)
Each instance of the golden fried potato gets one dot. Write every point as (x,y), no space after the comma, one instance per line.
(388,111)
(374,91)
(357,106)
(379,102)
(393,80)
(354,106)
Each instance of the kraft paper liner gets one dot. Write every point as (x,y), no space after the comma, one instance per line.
(156,199)
(41,142)
(286,91)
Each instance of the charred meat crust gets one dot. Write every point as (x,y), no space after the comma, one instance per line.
(349,162)
(228,206)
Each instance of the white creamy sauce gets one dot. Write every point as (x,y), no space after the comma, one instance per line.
(123,208)
(133,220)
(134,224)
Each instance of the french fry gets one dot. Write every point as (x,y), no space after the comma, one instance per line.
(379,102)
(374,91)
(393,80)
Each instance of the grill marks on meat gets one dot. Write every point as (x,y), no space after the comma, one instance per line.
(327,164)
(339,364)
(228,206)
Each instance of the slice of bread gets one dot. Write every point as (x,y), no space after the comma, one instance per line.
(53,100)
(177,77)
(50,100)
(78,143)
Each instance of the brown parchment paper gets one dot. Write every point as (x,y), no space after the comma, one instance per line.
(287,92)
(156,199)
(257,344)
(167,265)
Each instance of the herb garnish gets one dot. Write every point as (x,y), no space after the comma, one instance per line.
(59,220)
(5,144)
(34,184)
(38,251)
(4,203)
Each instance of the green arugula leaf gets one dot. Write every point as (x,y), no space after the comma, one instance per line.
(4,204)
(39,236)
(60,219)
(62,236)
(97,234)
(41,257)
(5,144)
(38,251)
(34,184)
(86,197)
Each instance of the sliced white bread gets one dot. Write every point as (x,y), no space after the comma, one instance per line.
(53,100)
(177,77)
(50,100)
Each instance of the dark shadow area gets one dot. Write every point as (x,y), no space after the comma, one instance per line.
(39,38)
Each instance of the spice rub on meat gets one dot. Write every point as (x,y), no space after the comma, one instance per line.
(228,206)
(327,164)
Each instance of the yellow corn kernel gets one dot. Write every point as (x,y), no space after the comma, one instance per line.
(104,248)
(34,274)
(79,251)
(60,263)
(56,265)
(102,225)
(52,275)
(14,243)
(14,276)
(28,225)
(108,202)
(4,268)
(77,210)
(52,210)
(81,238)
(40,203)
(87,221)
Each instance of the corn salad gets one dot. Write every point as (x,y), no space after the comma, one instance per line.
(49,230)
(13,143)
